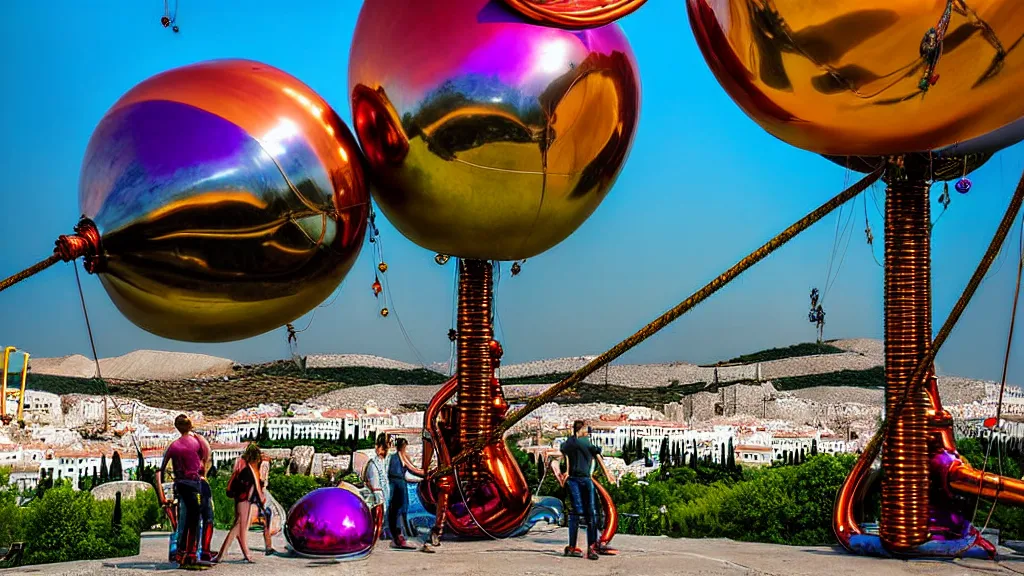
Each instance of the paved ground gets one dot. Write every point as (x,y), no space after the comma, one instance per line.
(538,554)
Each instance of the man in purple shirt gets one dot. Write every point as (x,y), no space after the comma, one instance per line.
(188,455)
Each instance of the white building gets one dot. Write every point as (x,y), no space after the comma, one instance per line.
(792,442)
(40,408)
(754,454)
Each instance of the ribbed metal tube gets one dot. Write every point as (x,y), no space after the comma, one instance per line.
(908,331)
(475,390)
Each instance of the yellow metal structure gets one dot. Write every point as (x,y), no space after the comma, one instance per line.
(18,393)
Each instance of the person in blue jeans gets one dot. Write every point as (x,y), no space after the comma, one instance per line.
(398,466)
(580,455)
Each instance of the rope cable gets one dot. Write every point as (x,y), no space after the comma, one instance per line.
(680,309)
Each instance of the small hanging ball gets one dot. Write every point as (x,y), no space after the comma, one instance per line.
(441,259)
(516,268)
(495,349)
(165,21)
(963,186)
(384,312)
(382,267)
(175,29)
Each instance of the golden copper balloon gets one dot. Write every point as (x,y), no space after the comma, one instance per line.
(868,77)
(489,136)
(574,14)
(230,199)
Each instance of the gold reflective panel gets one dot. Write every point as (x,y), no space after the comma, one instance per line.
(489,136)
(229,199)
(868,77)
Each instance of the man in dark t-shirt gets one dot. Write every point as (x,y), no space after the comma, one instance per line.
(580,454)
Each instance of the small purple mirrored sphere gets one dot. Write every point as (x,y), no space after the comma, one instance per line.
(332,522)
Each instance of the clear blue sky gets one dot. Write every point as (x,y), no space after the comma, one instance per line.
(702,187)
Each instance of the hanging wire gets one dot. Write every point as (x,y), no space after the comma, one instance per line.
(1002,384)
(494,310)
(394,309)
(837,241)
(452,352)
(867,232)
(874,201)
(829,284)
(92,343)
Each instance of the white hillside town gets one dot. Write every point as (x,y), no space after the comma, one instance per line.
(735,408)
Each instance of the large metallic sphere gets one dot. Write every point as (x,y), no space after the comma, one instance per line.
(332,522)
(867,77)
(487,136)
(230,198)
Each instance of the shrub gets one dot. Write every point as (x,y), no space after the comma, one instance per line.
(64,525)
(287,490)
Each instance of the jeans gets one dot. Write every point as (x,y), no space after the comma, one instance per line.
(188,494)
(581,492)
(399,495)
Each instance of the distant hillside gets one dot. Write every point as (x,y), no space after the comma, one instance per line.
(794,351)
(851,363)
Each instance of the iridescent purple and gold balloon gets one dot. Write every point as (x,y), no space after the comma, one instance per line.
(489,136)
(333,523)
(229,199)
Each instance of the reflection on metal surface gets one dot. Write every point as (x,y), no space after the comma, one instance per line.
(908,335)
(230,199)
(867,77)
(487,495)
(573,14)
(335,523)
(921,516)
(487,136)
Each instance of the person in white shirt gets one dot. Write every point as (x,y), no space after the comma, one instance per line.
(375,473)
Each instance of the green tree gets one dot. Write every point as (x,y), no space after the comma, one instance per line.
(116,472)
(664,456)
(814,447)
(104,471)
(731,456)
(115,521)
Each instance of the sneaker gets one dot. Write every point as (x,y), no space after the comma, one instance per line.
(592,554)
(605,550)
(401,545)
(572,552)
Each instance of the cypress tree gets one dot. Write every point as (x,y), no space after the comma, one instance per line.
(803,455)
(104,473)
(731,461)
(814,447)
(116,473)
(664,455)
(722,459)
(115,522)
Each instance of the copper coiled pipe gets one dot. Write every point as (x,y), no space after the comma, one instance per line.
(904,520)
(475,415)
